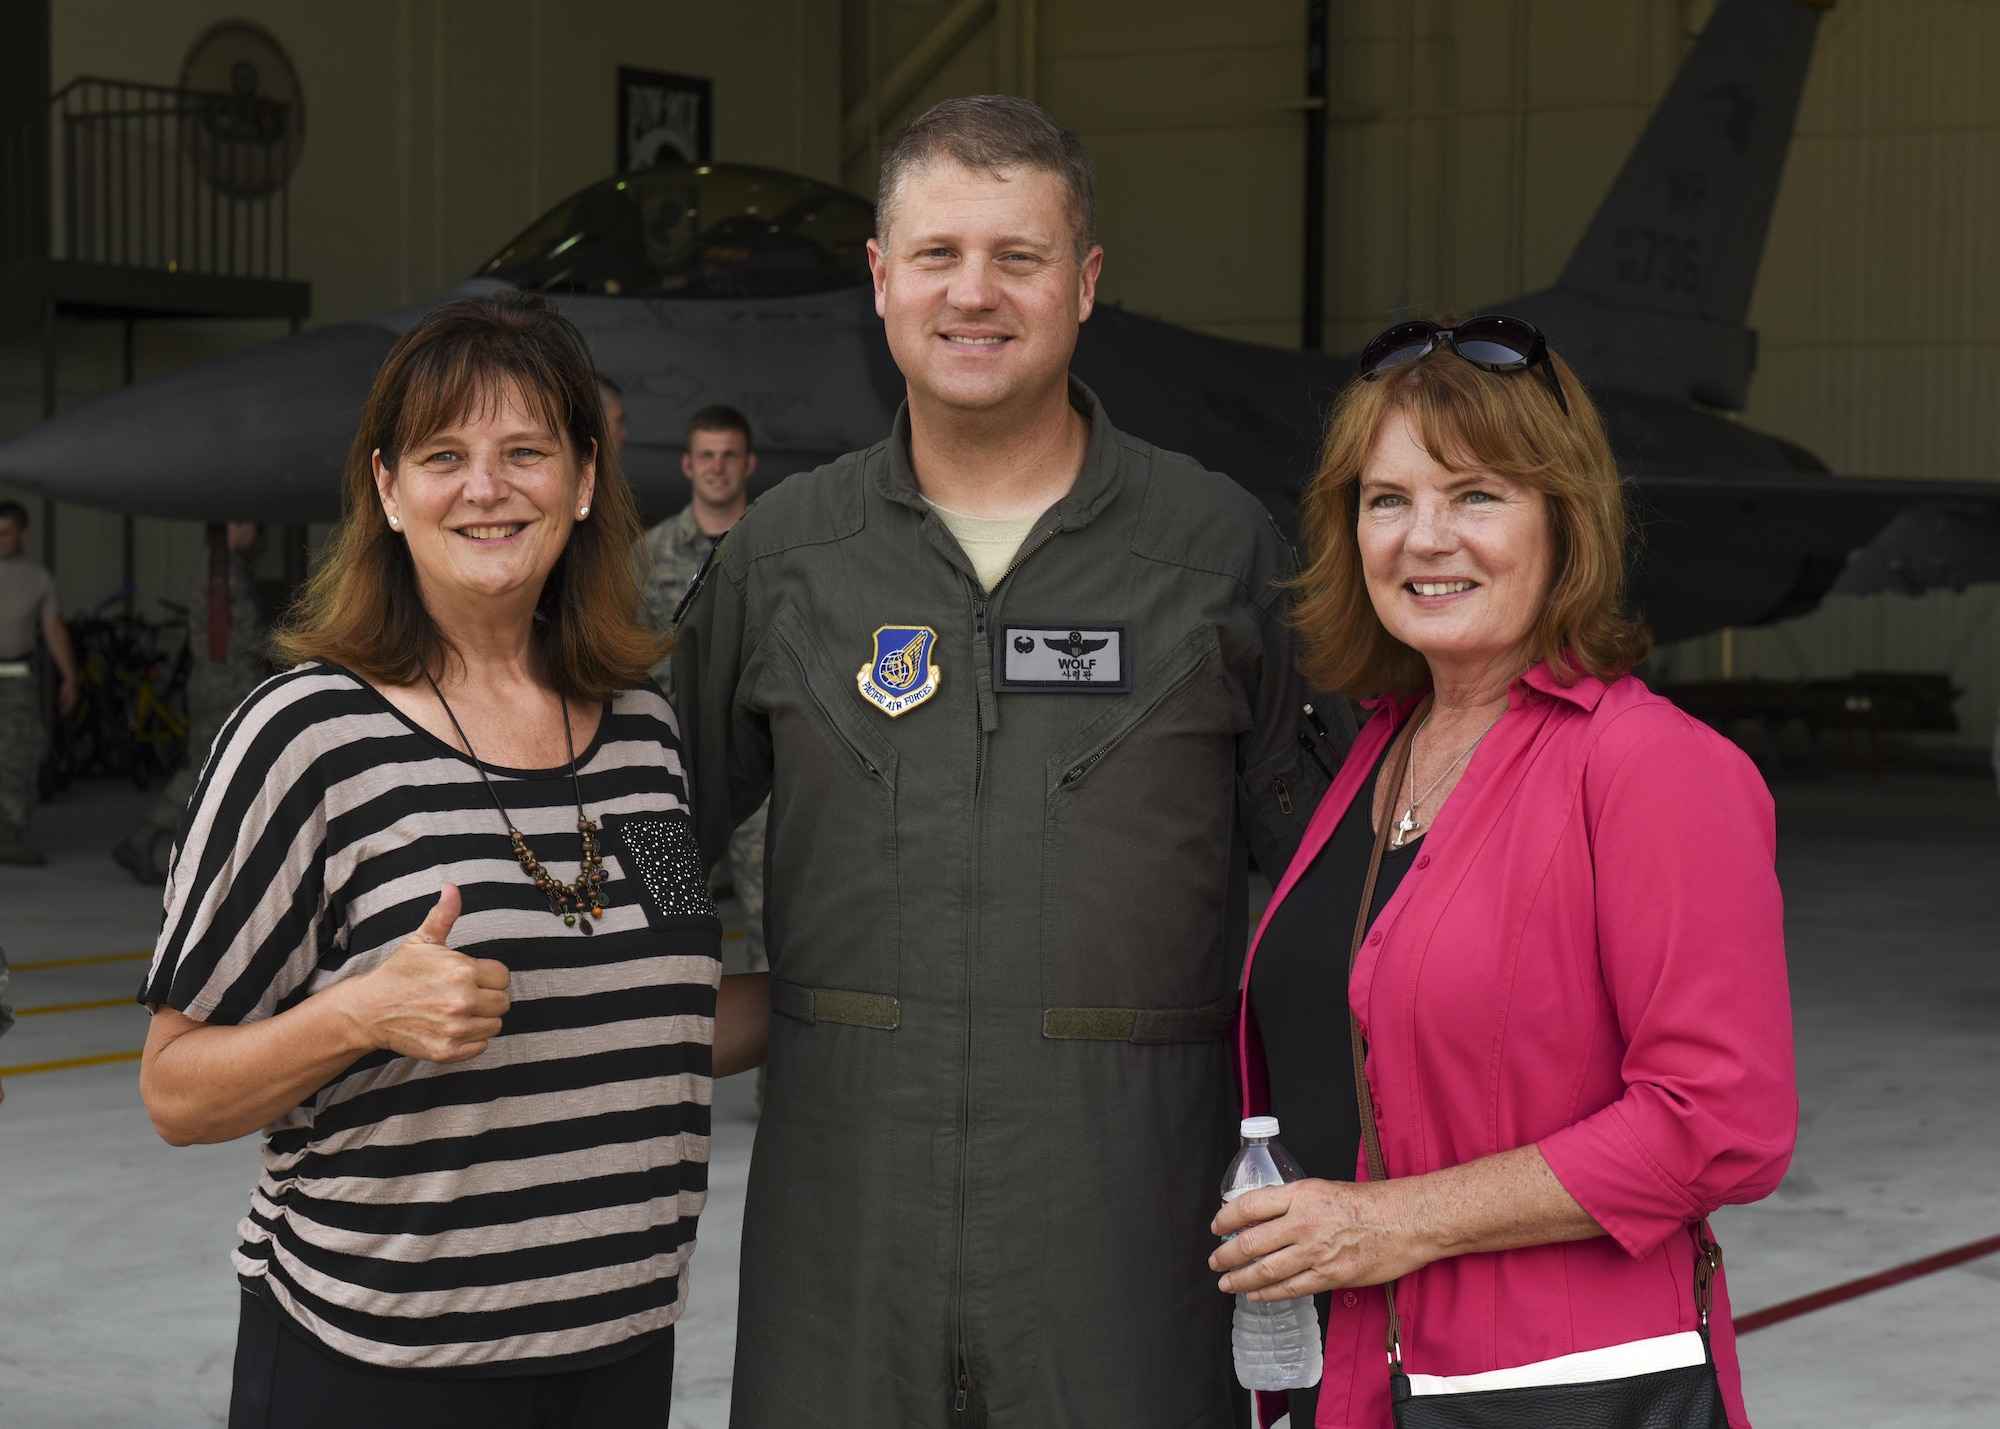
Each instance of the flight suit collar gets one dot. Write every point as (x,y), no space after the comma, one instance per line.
(1097,483)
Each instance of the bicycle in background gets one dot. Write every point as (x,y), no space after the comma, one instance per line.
(130,718)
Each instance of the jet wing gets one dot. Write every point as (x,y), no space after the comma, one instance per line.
(1722,548)
(1944,541)
(257,435)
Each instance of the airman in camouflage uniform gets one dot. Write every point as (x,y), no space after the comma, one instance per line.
(718,464)
(215,689)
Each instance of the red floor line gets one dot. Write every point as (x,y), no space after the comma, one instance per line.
(1866,1285)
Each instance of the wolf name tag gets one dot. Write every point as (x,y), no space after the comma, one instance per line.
(1064,658)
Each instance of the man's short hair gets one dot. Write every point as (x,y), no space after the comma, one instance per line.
(612,387)
(14,511)
(993,132)
(718,418)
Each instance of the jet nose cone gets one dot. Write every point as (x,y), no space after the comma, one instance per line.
(259,435)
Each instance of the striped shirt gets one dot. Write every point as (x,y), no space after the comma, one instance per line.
(529,1210)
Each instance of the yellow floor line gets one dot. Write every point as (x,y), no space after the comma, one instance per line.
(81,962)
(28,1068)
(75,1006)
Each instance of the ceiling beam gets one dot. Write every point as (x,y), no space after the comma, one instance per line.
(938,48)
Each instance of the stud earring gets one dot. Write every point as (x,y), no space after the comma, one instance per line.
(395,524)
(582,512)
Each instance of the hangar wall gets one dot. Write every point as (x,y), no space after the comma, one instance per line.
(435,130)
(1879,309)
(1470,141)
(1190,110)
(1502,124)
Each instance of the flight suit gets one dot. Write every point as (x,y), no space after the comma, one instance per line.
(1008,911)
(673,554)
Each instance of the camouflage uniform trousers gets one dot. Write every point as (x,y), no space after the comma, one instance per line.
(23,742)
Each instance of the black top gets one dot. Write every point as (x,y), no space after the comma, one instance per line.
(1298,993)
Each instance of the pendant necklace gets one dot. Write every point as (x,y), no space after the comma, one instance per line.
(1407,825)
(568,901)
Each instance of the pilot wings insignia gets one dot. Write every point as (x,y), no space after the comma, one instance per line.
(1075,646)
(902,675)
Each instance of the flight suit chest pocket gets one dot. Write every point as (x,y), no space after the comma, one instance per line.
(832,852)
(807,689)
(1140,813)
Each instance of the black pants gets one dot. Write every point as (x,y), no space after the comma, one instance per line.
(284,1381)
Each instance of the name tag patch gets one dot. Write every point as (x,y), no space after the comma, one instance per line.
(1074,658)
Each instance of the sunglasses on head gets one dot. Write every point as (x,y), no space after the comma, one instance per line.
(1495,343)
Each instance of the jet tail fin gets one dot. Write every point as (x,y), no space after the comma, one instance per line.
(1681,233)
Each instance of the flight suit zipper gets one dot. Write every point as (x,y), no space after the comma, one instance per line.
(979,601)
(981,605)
(963,1383)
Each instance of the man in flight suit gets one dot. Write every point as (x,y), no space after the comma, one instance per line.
(1020,687)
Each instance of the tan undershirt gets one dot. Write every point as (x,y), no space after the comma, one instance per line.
(989,542)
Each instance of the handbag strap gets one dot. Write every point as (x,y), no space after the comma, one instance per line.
(1708,1254)
(1371,1141)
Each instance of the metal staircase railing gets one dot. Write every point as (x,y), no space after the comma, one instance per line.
(147,176)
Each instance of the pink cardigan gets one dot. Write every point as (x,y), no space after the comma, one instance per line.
(1588,954)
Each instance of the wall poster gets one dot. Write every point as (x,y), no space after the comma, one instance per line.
(663,119)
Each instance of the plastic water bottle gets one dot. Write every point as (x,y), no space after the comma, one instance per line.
(1277,1342)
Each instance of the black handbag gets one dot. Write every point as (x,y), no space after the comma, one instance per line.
(1663,1383)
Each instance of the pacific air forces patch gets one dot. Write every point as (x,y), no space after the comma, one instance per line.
(902,675)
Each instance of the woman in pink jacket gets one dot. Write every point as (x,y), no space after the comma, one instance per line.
(1572,989)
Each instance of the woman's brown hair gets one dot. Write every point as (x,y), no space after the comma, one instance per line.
(1467,418)
(362,609)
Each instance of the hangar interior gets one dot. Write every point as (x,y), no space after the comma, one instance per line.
(1467,144)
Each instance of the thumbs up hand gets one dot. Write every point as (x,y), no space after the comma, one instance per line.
(430,1002)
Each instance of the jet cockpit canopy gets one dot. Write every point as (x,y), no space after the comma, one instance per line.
(694,231)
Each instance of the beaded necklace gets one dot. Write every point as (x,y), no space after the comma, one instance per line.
(566,900)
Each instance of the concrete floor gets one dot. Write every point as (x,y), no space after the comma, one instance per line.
(117,1307)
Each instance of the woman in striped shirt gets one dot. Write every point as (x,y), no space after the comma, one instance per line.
(436,925)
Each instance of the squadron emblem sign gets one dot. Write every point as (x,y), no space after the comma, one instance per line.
(902,675)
